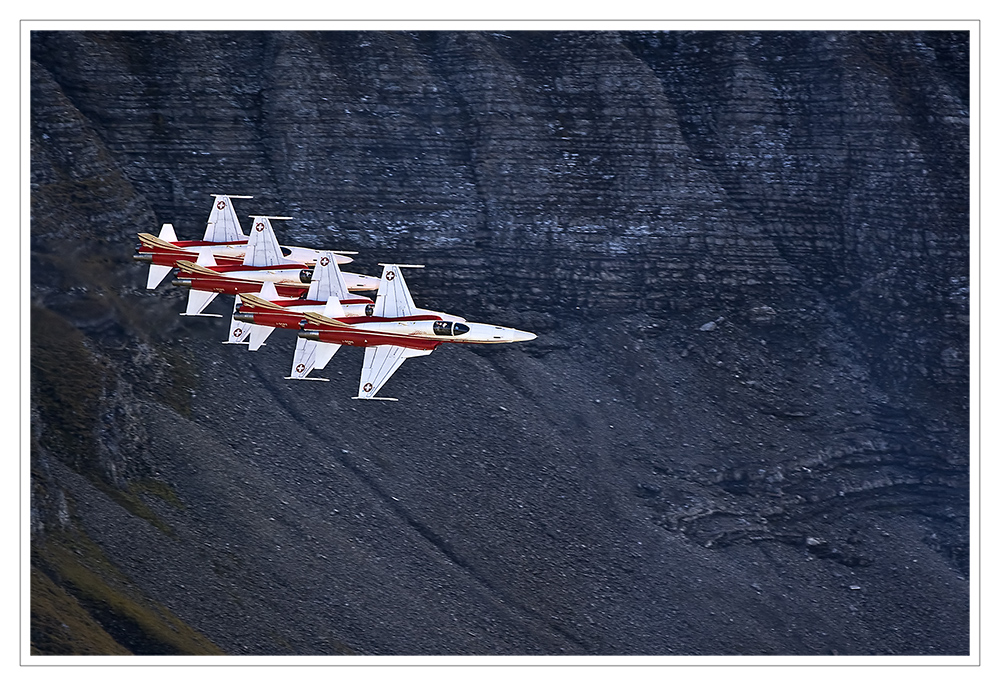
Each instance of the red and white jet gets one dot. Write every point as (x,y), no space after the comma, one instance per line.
(263,262)
(327,283)
(224,241)
(394,331)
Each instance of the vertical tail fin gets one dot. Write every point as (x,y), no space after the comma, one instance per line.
(223,224)
(328,284)
(328,281)
(393,299)
(263,249)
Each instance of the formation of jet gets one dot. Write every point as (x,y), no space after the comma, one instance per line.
(304,290)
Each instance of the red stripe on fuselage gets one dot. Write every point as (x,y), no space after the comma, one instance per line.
(290,290)
(170,259)
(365,320)
(278,319)
(351,321)
(231,286)
(297,266)
(367,339)
(201,244)
(298,302)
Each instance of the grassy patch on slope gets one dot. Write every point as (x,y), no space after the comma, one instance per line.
(81,603)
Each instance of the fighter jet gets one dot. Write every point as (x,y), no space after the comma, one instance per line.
(262,262)
(327,283)
(394,331)
(224,240)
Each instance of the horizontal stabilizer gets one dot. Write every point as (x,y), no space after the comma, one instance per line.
(167,233)
(259,334)
(268,291)
(157,272)
(198,301)
(206,259)
(324,352)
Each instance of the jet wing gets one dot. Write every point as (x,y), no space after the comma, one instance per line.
(311,355)
(157,273)
(381,362)
(197,302)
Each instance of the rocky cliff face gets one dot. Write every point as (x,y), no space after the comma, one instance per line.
(742,429)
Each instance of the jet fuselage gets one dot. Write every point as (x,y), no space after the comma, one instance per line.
(168,253)
(291,280)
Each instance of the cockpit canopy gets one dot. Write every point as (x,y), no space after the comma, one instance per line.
(442,328)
